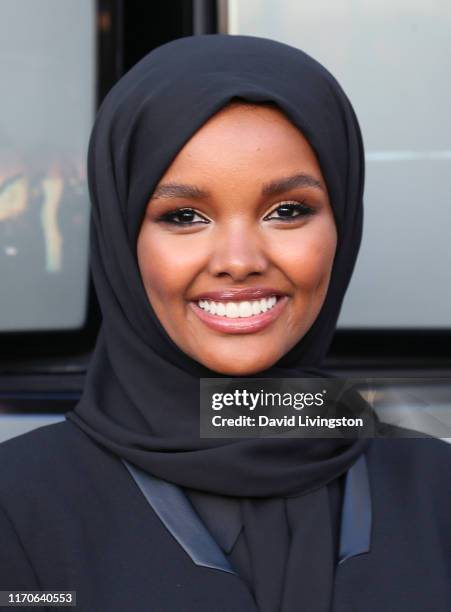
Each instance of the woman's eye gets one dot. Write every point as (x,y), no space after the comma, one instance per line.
(182,216)
(288,211)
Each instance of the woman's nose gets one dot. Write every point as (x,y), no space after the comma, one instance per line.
(237,252)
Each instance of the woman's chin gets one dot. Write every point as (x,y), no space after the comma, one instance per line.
(239,365)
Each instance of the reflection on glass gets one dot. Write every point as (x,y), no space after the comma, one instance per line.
(47,62)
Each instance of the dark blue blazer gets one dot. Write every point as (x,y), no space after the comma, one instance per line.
(75,517)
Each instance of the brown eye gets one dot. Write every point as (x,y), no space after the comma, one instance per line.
(288,211)
(182,216)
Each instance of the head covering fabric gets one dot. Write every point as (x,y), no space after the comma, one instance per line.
(141,395)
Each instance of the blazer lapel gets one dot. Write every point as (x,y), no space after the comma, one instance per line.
(356,515)
(179,517)
(176,512)
(220,514)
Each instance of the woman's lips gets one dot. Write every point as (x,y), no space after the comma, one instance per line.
(240,325)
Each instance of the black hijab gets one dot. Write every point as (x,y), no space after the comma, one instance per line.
(141,396)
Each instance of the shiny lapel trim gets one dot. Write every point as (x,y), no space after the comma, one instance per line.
(176,512)
(356,520)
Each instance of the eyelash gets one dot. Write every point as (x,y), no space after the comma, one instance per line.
(300,207)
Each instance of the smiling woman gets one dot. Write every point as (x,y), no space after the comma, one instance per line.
(242,220)
(226,180)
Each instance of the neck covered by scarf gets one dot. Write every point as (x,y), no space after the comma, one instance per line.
(141,396)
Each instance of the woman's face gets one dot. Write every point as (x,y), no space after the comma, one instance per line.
(237,244)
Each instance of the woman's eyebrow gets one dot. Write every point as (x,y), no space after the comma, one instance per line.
(179,190)
(276,187)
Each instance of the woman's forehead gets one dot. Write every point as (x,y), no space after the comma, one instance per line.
(241,135)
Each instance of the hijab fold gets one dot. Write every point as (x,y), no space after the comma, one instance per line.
(141,396)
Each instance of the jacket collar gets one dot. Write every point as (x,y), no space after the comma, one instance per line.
(221,515)
(176,512)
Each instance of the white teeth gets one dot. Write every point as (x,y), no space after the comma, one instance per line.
(255,307)
(263,305)
(245,309)
(221,309)
(233,310)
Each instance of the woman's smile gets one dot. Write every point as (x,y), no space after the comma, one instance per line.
(239,317)
(238,240)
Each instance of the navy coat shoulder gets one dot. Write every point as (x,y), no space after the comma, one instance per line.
(73,516)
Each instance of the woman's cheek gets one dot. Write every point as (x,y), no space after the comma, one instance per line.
(308,260)
(168,265)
